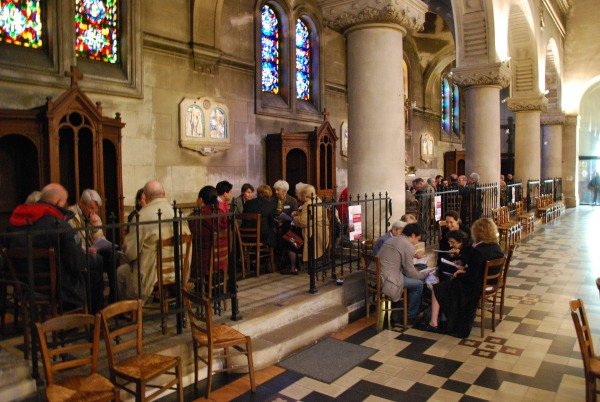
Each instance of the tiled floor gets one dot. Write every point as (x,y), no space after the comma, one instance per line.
(532,356)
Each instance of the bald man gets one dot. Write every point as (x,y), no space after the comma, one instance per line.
(49,214)
(127,274)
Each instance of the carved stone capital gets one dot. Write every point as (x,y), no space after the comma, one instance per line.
(526,104)
(343,14)
(553,118)
(483,74)
(571,119)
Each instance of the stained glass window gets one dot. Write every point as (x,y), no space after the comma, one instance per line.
(302,61)
(446,96)
(21,23)
(269,53)
(96,29)
(455,110)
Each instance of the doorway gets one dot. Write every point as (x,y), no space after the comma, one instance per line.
(588,165)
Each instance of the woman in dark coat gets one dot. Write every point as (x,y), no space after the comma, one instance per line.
(453,222)
(459,297)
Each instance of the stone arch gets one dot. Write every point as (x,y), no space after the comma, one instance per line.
(553,77)
(206,17)
(314,21)
(433,75)
(473,24)
(522,50)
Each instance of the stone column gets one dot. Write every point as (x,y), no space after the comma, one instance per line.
(570,154)
(552,131)
(528,160)
(482,97)
(374,33)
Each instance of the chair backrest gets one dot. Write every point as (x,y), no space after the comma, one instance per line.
(199,314)
(44,274)
(84,352)
(165,260)
(372,267)
(584,334)
(492,277)
(126,337)
(507,260)
(249,231)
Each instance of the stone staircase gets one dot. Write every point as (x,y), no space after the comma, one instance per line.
(277,312)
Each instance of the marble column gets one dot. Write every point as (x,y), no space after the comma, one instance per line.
(482,97)
(570,154)
(552,132)
(528,160)
(374,33)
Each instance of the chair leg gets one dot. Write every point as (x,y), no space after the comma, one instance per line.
(494,314)
(501,303)
(209,372)
(179,373)
(380,314)
(195,346)
(272,258)
(482,315)
(250,363)
(405,310)
(141,392)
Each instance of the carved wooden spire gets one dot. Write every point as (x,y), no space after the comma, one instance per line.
(75,75)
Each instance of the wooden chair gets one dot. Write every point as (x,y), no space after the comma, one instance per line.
(252,250)
(591,362)
(510,231)
(374,296)
(492,282)
(505,269)
(366,246)
(217,286)
(45,288)
(141,368)
(90,387)
(214,337)
(527,219)
(165,270)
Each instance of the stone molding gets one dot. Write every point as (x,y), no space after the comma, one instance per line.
(343,14)
(528,104)
(571,119)
(552,119)
(485,74)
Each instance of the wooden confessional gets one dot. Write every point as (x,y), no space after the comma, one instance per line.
(454,163)
(67,141)
(305,156)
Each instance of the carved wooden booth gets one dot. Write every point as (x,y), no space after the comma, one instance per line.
(305,156)
(454,163)
(67,141)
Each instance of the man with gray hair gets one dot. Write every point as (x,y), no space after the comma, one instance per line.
(396,230)
(86,221)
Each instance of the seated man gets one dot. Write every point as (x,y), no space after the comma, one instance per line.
(127,274)
(266,208)
(87,223)
(398,271)
(396,230)
(49,213)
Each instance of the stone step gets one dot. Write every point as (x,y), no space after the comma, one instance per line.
(16,383)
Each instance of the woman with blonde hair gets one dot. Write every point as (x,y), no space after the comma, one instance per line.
(459,297)
(319,228)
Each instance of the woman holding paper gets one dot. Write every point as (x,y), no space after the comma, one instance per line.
(446,250)
(458,298)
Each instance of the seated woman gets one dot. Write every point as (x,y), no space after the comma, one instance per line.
(267,209)
(319,230)
(459,297)
(204,232)
(453,222)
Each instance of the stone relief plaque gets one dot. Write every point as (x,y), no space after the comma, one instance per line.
(344,139)
(203,125)
(427,148)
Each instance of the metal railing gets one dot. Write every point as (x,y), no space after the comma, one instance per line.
(336,230)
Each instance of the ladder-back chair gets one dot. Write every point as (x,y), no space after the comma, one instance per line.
(492,282)
(251,247)
(591,362)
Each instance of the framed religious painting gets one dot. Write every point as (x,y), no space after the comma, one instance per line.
(204,125)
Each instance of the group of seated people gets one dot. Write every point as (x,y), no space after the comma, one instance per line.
(83,248)
(456,291)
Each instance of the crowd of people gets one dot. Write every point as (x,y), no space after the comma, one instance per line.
(131,272)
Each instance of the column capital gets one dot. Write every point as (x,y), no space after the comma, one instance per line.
(552,119)
(343,14)
(528,104)
(482,74)
(571,119)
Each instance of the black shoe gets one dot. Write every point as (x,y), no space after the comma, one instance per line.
(426,327)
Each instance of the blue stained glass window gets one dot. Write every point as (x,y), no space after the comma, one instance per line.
(20,22)
(96,29)
(455,110)
(302,61)
(446,105)
(269,50)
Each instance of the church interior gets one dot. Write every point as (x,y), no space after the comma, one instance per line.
(360,94)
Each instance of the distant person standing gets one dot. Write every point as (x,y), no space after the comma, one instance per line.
(594,186)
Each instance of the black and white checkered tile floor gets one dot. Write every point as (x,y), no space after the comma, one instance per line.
(533,355)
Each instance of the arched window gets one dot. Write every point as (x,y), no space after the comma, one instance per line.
(269,43)
(455,110)
(97,29)
(303,61)
(446,105)
(21,23)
